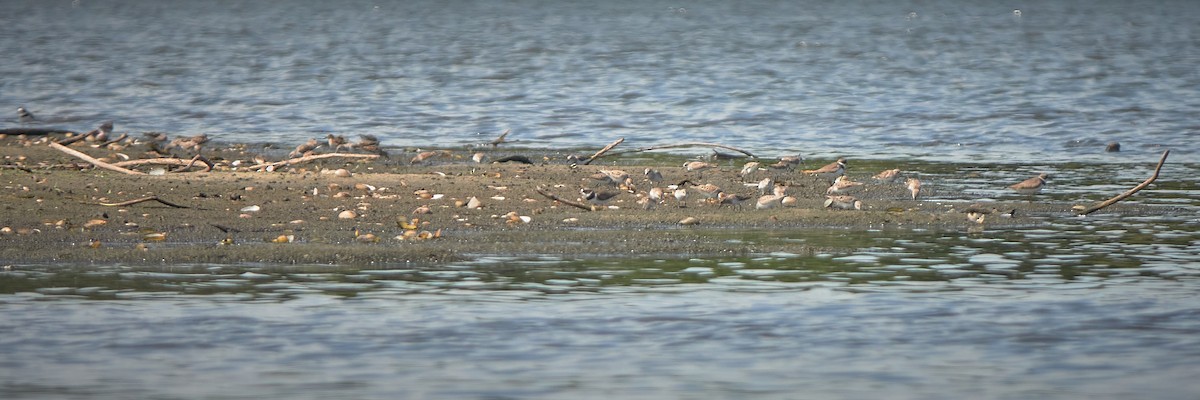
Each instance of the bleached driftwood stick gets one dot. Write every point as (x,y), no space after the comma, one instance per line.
(314,157)
(92,160)
(1081,210)
(602,151)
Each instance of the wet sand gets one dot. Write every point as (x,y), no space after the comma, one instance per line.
(53,209)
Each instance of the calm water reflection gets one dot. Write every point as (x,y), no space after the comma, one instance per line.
(1101,307)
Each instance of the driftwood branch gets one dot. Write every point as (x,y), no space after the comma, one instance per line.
(602,151)
(1081,210)
(142,200)
(118,139)
(689,144)
(176,162)
(554,197)
(73,139)
(314,157)
(94,161)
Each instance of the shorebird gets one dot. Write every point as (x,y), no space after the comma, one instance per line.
(656,194)
(1030,186)
(191,142)
(708,191)
(696,166)
(305,148)
(843,185)
(155,140)
(611,176)
(680,196)
(843,202)
(768,201)
(24,116)
(598,198)
(478,157)
(653,175)
(336,142)
(370,144)
(730,199)
(100,134)
(914,186)
(764,184)
(888,175)
(833,169)
(749,168)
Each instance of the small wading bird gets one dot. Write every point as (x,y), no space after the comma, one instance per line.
(370,144)
(305,148)
(1030,186)
(189,143)
(336,142)
(24,116)
(914,187)
(843,185)
(888,175)
(843,202)
(829,171)
(597,198)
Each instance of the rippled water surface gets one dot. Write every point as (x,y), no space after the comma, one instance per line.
(1098,307)
(1102,307)
(945,80)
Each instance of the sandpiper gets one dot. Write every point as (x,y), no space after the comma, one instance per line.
(155,140)
(843,202)
(100,134)
(749,168)
(656,194)
(24,116)
(764,184)
(305,148)
(653,175)
(681,196)
(696,166)
(598,198)
(888,175)
(336,142)
(731,199)
(189,143)
(843,185)
(707,191)
(370,144)
(611,176)
(1030,186)
(768,201)
(833,169)
(914,186)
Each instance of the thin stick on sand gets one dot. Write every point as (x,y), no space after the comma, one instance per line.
(689,144)
(554,197)
(94,161)
(314,157)
(602,151)
(1081,210)
(142,200)
(175,162)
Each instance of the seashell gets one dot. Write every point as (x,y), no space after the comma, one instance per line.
(296,221)
(437,196)
(250,209)
(92,223)
(570,220)
(474,203)
(459,203)
(423,210)
(157,172)
(689,221)
(333,187)
(348,214)
(155,236)
(526,219)
(367,238)
(497,198)
(244,215)
(341,195)
(363,186)
(6,231)
(342,173)
(788,201)
(283,239)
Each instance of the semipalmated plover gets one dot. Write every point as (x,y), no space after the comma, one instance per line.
(100,134)
(598,198)
(681,196)
(829,171)
(707,190)
(1031,186)
(842,185)
(190,143)
(914,187)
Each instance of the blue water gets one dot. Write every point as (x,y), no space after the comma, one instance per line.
(1103,307)
(935,80)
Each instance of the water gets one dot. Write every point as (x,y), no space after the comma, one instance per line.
(1098,307)
(934,80)
(1101,307)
